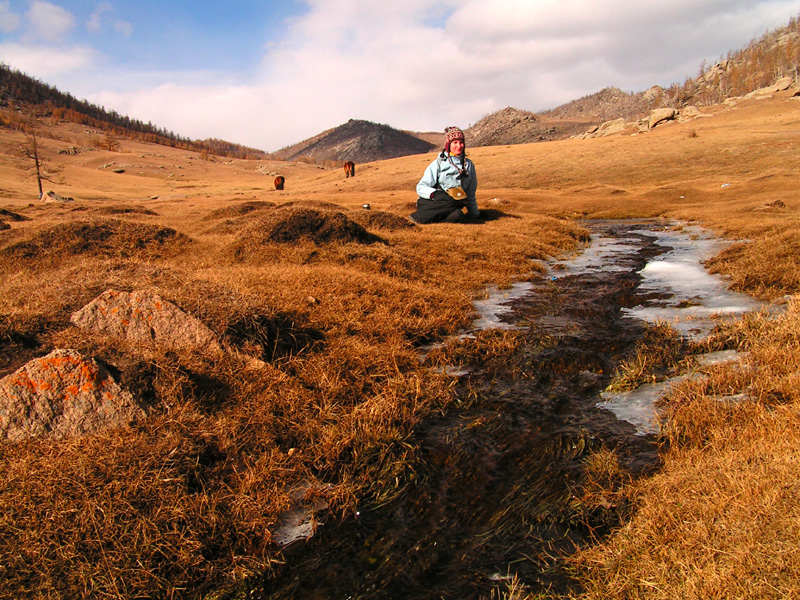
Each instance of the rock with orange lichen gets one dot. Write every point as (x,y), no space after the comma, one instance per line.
(144,317)
(63,394)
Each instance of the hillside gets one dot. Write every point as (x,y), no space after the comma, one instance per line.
(359,141)
(22,93)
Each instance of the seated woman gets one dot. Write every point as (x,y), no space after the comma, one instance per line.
(448,185)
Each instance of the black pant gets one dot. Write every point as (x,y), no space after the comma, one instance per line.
(442,208)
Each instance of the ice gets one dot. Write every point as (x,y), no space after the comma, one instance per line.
(679,291)
(599,255)
(690,295)
(637,407)
(496,304)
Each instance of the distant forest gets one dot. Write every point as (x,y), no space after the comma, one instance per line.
(19,90)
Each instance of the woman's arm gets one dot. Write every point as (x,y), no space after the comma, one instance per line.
(470,189)
(430,180)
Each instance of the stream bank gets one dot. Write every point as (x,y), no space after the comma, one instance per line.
(497,488)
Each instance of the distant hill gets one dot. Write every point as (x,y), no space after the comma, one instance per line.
(20,91)
(508,126)
(359,141)
(762,62)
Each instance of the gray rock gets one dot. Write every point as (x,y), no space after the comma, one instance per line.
(144,317)
(51,196)
(660,115)
(63,394)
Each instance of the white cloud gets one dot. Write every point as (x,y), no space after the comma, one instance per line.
(425,64)
(123,27)
(95,21)
(9,20)
(49,21)
(43,63)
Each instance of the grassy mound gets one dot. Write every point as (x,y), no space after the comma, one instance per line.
(241,210)
(98,237)
(125,209)
(300,225)
(382,220)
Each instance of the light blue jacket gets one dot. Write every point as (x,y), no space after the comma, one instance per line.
(441,174)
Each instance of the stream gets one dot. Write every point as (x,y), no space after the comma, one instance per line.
(495,493)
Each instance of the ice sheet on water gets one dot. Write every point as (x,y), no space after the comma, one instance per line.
(496,304)
(599,255)
(637,407)
(689,296)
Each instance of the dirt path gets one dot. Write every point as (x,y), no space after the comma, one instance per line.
(496,487)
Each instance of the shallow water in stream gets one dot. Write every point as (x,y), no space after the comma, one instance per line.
(494,492)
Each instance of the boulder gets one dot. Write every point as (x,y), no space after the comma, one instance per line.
(660,115)
(653,95)
(611,127)
(51,196)
(144,317)
(766,92)
(63,394)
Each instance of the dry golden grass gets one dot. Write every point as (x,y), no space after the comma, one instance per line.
(183,503)
(721,519)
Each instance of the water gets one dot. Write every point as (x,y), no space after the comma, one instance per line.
(487,489)
(689,297)
(675,288)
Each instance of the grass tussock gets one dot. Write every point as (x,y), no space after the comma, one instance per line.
(766,267)
(656,354)
(99,237)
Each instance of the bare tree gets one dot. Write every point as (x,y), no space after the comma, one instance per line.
(30,152)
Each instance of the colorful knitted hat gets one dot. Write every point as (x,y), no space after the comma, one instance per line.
(450,134)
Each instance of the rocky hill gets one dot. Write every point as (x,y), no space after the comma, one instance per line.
(763,62)
(356,140)
(508,126)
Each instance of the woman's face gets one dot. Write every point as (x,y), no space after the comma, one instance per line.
(457,147)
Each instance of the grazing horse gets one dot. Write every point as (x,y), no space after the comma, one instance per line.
(349,169)
(279,181)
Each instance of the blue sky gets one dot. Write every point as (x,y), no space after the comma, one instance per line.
(271,73)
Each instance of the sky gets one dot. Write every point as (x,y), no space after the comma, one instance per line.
(271,73)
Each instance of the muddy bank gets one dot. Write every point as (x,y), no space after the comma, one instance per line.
(496,491)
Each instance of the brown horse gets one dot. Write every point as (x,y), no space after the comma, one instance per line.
(349,169)
(279,181)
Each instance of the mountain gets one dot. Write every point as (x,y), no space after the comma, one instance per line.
(356,140)
(762,62)
(507,126)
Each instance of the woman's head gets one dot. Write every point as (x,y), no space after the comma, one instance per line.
(454,140)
